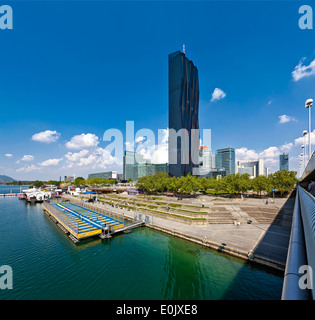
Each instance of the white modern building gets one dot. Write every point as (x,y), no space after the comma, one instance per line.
(254,168)
(205,160)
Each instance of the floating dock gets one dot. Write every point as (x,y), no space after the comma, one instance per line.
(81,222)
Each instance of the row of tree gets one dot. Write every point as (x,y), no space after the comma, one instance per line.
(79,181)
(282,181)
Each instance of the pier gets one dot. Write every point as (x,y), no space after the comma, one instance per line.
(82,220)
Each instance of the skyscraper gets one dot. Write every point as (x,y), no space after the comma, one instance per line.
(225,158)
(183,109)
(284,161)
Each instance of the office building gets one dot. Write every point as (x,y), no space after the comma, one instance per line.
(106,175)
(216,173)
(254,168)
(70,178)
(130,165)
(183,99)
(205,160)
(213,161)
(284,161)
(135,166)
(225,158)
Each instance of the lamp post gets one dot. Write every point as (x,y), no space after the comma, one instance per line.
(303,148)
(300,169)
(308,105)
(304,133)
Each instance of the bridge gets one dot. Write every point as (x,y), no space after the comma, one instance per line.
(298,275)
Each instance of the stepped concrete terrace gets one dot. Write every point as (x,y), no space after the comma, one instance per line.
(248,228)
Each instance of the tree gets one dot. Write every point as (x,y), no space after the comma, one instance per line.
(94,181)
(242,183)
(189,184)
(37,183)
(172,184)
(79,181)
(204,185)
(261,183)
(54,182)
(283,181)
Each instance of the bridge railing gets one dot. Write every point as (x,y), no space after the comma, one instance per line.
(301,247)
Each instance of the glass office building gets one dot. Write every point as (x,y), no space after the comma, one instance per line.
(135,166)
(284,161)
(130,165)
(225,158)
(183,86)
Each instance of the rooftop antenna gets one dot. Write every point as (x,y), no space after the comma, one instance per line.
(183,48)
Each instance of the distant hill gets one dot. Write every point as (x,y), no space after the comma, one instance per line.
(5,178)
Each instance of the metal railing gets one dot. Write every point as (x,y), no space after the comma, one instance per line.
(67,220)
(301,247)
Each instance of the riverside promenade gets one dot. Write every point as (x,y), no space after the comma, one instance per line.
(262,243)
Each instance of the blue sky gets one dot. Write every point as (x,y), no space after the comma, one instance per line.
(76,68)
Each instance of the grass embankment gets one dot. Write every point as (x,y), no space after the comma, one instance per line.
(148,206)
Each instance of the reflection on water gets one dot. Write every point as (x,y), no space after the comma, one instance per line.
(184,272)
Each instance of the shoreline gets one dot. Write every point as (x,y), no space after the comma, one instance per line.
(262,244)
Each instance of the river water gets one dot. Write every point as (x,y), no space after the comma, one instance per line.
(142,265)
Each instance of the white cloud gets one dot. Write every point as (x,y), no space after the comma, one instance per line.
(9,155)
(301,71)
(140,139)
(47,136)
(83,141)
(97,158)
(245,154)
(50,162)
(284,119)
(286,147)
(73,157)
(300,140)
(218,94)
(165,134)
(156,153)
(130,146)
(270,152)
(27,157)
(28,168)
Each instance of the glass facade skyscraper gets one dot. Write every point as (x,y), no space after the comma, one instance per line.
(225,158)
(284,161)
(183,109)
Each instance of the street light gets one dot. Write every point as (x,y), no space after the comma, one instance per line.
(308,105)
(303,148)
(300,169)
(304,133)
